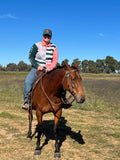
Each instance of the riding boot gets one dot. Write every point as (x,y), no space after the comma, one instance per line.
(27,102)
(25,107)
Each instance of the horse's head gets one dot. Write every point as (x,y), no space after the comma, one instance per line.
(73,83)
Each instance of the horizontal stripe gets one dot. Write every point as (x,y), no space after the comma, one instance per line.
(48,59)
(49,54)
(48,62)
(52,45)
(40,61)
(49,50)
(40,64)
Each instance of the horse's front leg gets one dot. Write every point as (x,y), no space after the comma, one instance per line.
(39,118)
(30,116)
(56,122)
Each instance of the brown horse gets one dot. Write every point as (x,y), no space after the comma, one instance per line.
(46,98)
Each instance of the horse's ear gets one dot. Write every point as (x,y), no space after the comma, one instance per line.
(76,65)
(66,66)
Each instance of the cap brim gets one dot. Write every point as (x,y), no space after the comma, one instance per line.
(46,33)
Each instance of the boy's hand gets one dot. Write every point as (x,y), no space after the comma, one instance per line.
(40,68)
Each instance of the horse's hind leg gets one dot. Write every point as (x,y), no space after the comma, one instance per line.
(30,116)
(56,122)
(39,118)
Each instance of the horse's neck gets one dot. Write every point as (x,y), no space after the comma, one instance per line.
(58,74)
(55,78)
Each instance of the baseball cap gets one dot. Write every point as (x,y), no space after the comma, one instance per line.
(47,32)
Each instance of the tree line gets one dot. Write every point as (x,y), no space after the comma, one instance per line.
(107,65)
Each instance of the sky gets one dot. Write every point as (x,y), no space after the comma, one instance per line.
(83,29)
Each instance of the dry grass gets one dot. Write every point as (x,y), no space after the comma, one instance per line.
(87,132)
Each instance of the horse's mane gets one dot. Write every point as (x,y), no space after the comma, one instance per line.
(56,68)
(60,67)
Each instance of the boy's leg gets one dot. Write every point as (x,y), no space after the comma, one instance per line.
(28,85)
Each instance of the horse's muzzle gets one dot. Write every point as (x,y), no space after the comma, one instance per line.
(80,100)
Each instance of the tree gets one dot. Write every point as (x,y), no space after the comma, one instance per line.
(22,66)
(118,67)
(11,67)
(110,64)
(76,61)
(100,65)
(92,67)
(85,66)
(1,68)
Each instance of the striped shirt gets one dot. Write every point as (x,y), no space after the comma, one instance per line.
(43,55)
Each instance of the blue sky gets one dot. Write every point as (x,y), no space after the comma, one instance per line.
(84,29)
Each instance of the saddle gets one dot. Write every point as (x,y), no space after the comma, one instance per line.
(40,73)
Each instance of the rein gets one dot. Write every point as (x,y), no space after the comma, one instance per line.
(70,87)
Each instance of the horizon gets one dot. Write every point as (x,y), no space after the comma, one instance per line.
(61,61)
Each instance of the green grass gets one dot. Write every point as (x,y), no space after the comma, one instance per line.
(10,116)
(12,73)
(99,75)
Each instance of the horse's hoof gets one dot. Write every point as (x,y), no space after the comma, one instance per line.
(57,155)
(37,152)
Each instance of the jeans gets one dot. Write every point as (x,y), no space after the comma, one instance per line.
(29,82)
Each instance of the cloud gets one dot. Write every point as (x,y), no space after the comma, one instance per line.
(9,15)
(101,34)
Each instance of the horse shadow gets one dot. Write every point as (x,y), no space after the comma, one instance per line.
(63,132)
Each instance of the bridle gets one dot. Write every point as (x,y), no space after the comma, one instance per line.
(67,75)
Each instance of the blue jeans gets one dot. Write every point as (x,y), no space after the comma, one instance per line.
(29,82)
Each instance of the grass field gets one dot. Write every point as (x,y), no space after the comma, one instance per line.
(90,131)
